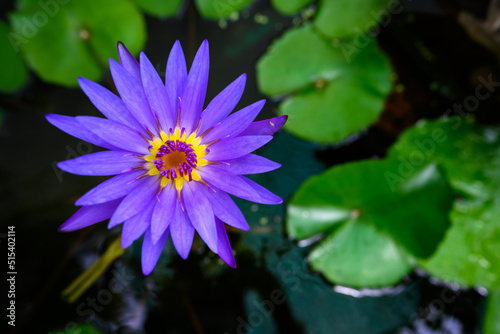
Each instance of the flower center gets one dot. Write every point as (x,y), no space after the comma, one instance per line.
(175,158)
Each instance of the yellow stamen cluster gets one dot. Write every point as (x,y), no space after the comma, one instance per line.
(172,160)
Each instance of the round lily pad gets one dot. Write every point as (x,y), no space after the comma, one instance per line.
(14,72)
(364,197)
(66,39)
(335,93)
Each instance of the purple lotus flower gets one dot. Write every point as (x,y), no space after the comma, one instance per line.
(174,162)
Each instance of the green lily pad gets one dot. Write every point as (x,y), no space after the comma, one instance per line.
(341,18)
(470,153)
(362,193)
(220,9)
(492,320)
(360,255)
(14,72)
(332,114)
(79,329)
(290,7)
(160,8)
(336,95)
(470,253)
(285,68)
(64,41)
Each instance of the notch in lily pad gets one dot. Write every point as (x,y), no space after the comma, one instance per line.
(374,228)
(330,95)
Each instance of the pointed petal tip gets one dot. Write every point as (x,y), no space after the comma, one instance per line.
(62,165)
(69,226)
(274,201)
(177,47)
(113,222)
(146,270)
(62,228)
(113,63)
(229,260)
(122,49)
(84,84)
(81,79)
(125,243)
(50,117)
(204,49)
(110,225)
(183,255)
(242,80)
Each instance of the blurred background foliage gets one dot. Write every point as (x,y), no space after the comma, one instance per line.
(390,167)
